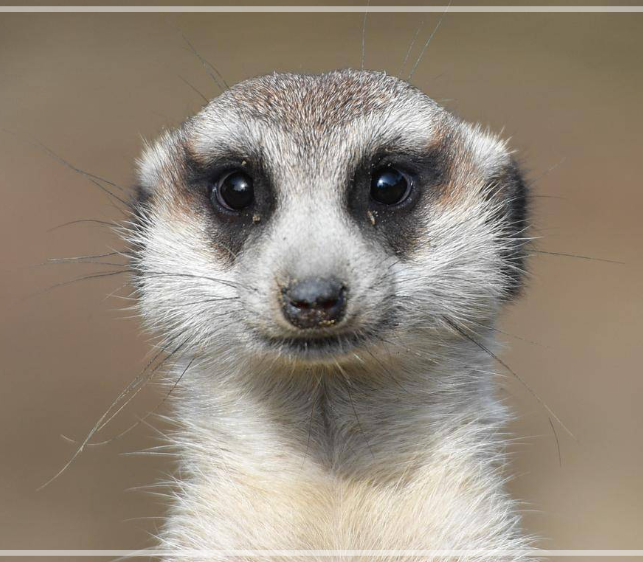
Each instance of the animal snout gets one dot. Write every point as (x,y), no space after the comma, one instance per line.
(314,303)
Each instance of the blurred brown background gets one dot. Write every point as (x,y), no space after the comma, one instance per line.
(565,87)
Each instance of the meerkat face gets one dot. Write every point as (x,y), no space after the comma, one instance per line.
(309,216)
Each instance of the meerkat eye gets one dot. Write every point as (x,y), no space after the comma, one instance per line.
(233,191)
(389,186)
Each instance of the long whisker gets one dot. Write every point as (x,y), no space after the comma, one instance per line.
(80,171)
(77,280)
(412,44)
(193,88)
(549,170)
(216,76)
(232,284)
(37,144)
(350,399)
(141,420)
(76,259)
(310,421)
(211,300)
(499,331)
(132,387)
(387,371)
(139,388)
(508,368)
(95,221)
(368,3)
(560,458)
(577,256)
(83,262)
(426,45)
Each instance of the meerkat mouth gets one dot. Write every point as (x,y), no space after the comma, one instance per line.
(328,345)
(318,347)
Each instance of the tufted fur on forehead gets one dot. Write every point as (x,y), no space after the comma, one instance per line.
(315,123)
(313,104)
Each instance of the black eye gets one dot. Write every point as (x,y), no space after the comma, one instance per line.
(234,191)
(389,186)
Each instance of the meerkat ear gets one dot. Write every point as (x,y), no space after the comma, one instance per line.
(509,188)
(148,165)
(160,163)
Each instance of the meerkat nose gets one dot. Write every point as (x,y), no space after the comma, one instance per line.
(314,303)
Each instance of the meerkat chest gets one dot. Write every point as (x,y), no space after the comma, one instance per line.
(309,509)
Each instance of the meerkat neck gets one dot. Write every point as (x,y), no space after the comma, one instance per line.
(299,462)
(343,419)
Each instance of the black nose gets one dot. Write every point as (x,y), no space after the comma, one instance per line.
(314,303)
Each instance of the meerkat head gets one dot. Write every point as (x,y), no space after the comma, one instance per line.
(305,217)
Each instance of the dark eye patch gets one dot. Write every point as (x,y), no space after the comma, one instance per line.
(410,182)
(234,193)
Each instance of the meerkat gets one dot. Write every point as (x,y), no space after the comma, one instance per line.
(325,258)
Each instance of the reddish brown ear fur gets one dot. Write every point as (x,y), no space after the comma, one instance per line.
(511,188)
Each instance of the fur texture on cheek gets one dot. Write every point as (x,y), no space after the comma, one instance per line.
(187,294)
(454,275)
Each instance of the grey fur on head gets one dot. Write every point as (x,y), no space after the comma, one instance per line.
(369,420)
